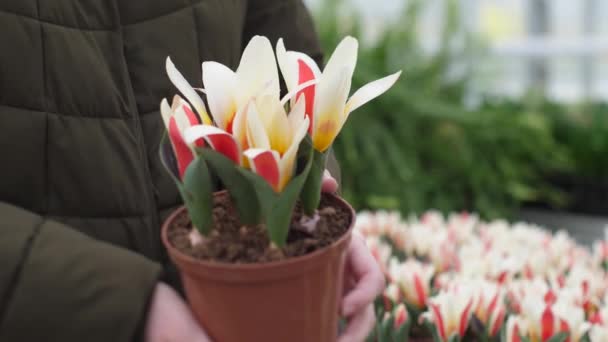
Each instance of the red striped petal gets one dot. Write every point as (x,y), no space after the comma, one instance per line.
(217,139)
(439,321)
(193,119)
(401,316)
(497,322)
(225,144)
(547,324)
(563,327)
(265,163)
(306,74)
(550,297)
(493,304)
(516,337)
(183,154)
(464,319)
(420,291)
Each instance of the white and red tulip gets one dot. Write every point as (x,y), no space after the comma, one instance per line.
(516,327)
(273,139)
(414,280)
(179,117)
(450,312)
(327,102)
(490,307)
(401,316)
(543,321)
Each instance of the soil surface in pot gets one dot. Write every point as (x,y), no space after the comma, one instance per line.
(232,242)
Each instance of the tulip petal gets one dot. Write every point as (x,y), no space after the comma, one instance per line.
(217,139)
(439,322)
(496,321)
(183,153)
(306,74)
(370,91)
(297,114)
(464,319)
(331,95)
(239,127)
(256,134)
(287,66)
(257,70)
(547,324)
(220,84)
(344,56)
(266,164)
(186,89)
(287,162)
(165,112)
(420,291)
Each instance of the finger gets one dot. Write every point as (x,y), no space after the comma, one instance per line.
(329,183)
(369,278)
(359,326)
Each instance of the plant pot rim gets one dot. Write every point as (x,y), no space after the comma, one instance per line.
(231,272)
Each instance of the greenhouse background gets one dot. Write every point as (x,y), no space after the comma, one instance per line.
(501,109)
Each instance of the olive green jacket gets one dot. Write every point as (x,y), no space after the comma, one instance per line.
(82,190)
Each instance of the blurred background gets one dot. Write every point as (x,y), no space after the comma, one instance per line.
(501,108)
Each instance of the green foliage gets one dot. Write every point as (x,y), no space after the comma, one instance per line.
(197,192)
(196,189)
(311,193)
(419,147)
(255,200)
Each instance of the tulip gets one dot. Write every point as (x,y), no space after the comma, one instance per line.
(392,294)
(450,312)
(380,250)
(490,308)
(401,316)
(274,138)
(327,102)
(228,91)
(414,279)
(178,118)
(572,319)
(544,321)
(516,327)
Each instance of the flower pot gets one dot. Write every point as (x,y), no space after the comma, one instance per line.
(296,299)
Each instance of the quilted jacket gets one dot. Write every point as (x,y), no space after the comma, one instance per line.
(82,191)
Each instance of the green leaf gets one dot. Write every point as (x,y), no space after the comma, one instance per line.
(560,337)
(454,338)
(279,217)
(311,194)
(387,329)
(265,194)
(240,188)
(403,332)
(197,192)
(433,330)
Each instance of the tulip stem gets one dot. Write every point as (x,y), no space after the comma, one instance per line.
(311,193)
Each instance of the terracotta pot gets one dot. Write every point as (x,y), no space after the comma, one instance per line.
(292,300)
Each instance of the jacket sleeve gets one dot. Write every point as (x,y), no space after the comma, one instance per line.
(57,284)
(290,20)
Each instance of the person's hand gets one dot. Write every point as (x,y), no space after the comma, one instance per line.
(362,283)
(170,319)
